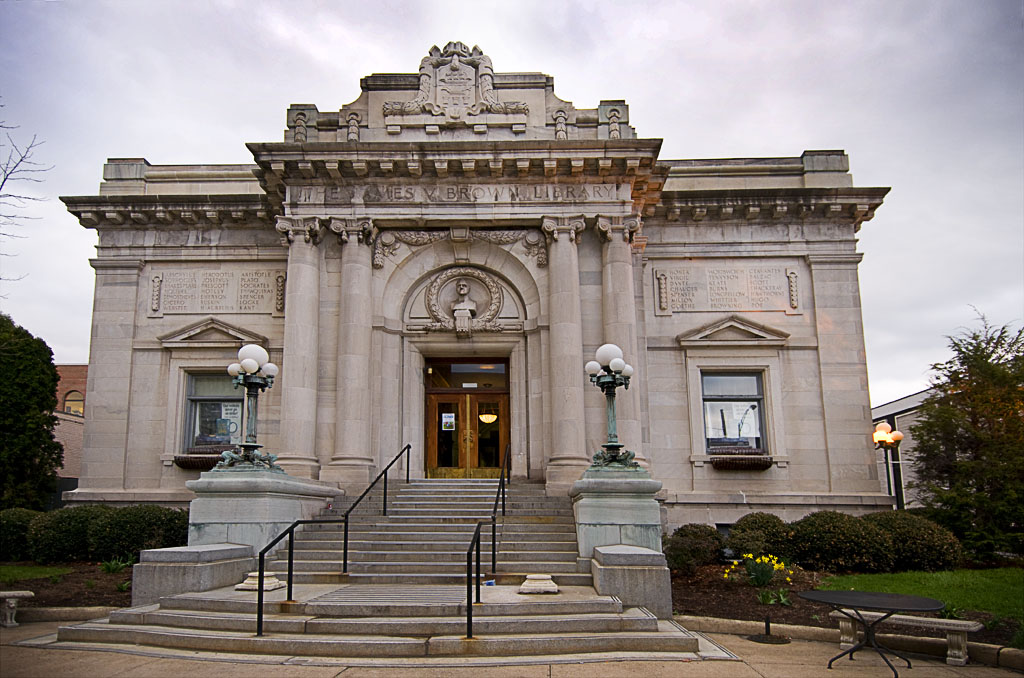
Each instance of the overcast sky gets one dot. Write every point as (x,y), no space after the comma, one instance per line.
(925,96)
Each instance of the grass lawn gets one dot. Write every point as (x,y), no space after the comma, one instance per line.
(999,592)
(12,573)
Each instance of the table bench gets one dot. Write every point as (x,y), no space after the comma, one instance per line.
(10,605)
(956,631)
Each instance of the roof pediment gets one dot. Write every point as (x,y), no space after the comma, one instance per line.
(733,331)
(211,333)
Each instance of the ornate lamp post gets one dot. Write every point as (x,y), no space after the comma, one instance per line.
(608,372)
(256,373)
(888,441)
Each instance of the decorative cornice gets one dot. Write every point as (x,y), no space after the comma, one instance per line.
(849,205)
(146,211)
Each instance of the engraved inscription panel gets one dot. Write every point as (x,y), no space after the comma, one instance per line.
(725,287)
(218,291)
(448,193)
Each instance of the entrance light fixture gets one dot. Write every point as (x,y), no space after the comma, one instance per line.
(608,371)
(256,373)
(488,417)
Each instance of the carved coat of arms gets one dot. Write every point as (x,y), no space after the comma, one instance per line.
(455,82)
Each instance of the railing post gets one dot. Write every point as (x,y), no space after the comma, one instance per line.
(469,593)
(259,601)
(478,562)
(494,546)
(344,561)
(407,449)
(291,561)
(385,491)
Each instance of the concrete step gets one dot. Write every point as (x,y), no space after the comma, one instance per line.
(367,601)
(670,637)
(633,619)
(451,579)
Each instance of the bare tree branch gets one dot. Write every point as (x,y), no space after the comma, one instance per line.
(17,168)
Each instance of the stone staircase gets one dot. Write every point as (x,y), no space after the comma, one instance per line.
(405,594)
(424,537)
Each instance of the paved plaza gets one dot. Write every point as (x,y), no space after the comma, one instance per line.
(800,659)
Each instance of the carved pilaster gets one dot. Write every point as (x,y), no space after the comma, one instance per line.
(619,228)
(307,229)
(353,127)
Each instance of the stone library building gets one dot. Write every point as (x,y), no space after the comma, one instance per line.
(434,264)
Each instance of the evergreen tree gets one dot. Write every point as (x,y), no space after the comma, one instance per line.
(970,440)
(29,456)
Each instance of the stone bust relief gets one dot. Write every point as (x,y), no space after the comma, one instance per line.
(463,302)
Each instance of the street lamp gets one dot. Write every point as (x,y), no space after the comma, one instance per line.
(256,373)
(608,371)
(888,441)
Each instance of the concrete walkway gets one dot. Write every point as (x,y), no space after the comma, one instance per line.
(800,659)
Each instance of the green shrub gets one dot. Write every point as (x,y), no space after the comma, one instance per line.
(837,542)
(918,543)
(14,533)
(127,530)
(63,535)
(760,533)
(691,546)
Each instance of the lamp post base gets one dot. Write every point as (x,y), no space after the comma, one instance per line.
(247,457)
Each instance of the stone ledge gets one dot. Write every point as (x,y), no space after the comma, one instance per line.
(202,553)
(629,556)
(49,614)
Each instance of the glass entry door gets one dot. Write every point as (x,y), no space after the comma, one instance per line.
(467,434)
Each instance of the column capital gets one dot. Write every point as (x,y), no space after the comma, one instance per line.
(610,228)
(307,228)
(554,227)
(359,230)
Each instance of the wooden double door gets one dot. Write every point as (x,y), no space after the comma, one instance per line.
(467,434)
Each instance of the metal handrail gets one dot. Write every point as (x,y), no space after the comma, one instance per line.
(290,533)
(384,474)
(504,479)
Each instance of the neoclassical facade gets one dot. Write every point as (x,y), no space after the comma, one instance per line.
(434,263)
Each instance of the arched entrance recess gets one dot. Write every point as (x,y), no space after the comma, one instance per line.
(468,315)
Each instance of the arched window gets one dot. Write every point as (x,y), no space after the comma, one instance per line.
(74,403)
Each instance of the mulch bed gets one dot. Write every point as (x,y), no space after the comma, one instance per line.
(708,594)
(87,585)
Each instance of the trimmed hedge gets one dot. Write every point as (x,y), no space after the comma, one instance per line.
(63,535)
(838,542)
(918,543)
(761,534)
(127,530)
(14,533)
(691,546)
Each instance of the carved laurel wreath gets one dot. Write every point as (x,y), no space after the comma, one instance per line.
(442,320)
(386,243)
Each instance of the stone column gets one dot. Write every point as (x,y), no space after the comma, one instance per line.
(298,381)
(568,458)
(618,305)
(352,461)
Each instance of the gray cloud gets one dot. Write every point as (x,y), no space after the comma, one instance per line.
(925,96)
